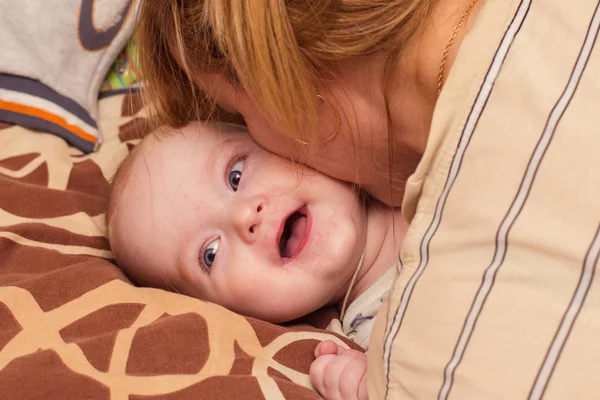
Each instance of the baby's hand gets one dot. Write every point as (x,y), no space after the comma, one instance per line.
(338,373)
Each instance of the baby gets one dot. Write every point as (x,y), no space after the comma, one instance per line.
(206,212)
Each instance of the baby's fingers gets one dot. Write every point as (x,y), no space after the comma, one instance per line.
(317,372)
(353,379)
(327,347)
(330,347)
(338,377)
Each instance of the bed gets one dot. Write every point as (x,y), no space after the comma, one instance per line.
(71,324)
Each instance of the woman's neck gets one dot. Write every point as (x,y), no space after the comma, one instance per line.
(386,229)
(415,81)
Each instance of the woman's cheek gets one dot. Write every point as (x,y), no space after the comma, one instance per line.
(270,139)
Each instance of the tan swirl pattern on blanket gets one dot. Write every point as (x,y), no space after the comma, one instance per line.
(72,326)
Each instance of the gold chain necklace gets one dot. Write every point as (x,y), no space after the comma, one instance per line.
(462,19)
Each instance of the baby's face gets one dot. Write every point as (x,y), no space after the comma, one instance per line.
(209,213)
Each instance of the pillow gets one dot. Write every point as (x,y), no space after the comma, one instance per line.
(55,55)
(72,326)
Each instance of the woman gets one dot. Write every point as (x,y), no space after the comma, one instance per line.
(479,117)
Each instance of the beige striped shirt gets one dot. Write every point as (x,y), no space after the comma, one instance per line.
(499,297)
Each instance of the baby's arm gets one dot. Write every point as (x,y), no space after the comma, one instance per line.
(339,373)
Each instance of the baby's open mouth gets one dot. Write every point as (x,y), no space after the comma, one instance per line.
(293,235)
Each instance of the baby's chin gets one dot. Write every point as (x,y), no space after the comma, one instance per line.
(282,317)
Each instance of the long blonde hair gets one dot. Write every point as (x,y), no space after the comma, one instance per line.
(272,49)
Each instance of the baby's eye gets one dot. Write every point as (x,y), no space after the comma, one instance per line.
(235,175)
(210,253)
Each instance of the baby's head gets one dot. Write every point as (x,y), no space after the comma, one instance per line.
(207,212)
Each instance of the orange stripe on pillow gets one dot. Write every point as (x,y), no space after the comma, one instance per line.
(55,119)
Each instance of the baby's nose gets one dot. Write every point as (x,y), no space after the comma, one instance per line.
(248,218)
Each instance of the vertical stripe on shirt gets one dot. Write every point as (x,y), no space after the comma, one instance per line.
(517,206)
(469,128)
(587,273)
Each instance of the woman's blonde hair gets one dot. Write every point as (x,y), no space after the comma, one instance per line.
(272,49)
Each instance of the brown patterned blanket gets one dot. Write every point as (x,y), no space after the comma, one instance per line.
(73,327)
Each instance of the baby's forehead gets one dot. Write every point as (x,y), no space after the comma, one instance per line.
(198,138)
(170,154)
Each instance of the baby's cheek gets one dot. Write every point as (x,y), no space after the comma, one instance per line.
(245,283)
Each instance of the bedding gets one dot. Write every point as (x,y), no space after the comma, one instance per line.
(54,58)
(73,327)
